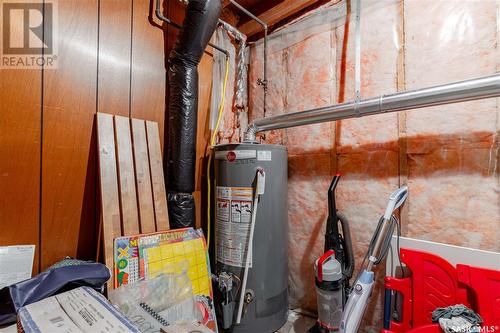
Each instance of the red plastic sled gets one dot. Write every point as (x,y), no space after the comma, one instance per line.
(485,284)
(433,283)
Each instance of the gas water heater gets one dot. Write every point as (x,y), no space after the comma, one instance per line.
(265,299)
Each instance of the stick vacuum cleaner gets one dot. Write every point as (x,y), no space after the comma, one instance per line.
(334,268)
(377,251)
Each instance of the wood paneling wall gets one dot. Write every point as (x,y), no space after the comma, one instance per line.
(20,132)
(111,59)
(69,105)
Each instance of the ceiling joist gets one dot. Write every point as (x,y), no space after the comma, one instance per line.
(275,15)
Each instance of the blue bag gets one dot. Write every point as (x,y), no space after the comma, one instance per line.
(57,279)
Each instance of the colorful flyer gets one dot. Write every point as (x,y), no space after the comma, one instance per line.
(126,260)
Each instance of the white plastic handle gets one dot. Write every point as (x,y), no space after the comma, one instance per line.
(396,199)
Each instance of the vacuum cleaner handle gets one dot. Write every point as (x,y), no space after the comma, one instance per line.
(332,239)
(396,199)
(358,300)
(332,208)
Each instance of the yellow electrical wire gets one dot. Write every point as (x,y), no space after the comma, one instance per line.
(212,143)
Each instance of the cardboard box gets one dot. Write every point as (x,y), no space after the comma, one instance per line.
(81,310)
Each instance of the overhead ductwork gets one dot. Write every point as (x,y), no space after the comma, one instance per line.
(199,25)
(469,90)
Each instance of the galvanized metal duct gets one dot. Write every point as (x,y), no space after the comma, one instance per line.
(474,89)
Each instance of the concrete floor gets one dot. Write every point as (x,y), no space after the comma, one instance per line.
(297,323)
(9,329)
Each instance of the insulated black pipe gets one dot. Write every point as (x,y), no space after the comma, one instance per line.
(199,24)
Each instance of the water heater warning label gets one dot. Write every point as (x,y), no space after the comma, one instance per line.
(236,211)
(233,217)
(264,155)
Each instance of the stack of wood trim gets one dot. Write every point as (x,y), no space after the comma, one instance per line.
(132,186)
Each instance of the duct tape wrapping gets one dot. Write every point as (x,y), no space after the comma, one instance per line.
(183,118)
(181,210)
(197,29)
(199,24)
(241,95)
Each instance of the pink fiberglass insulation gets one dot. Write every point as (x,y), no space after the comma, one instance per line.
(447,155)
(453,150)
(275,90)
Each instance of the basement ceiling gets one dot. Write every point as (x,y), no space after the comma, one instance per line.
(273,12)
(257,7)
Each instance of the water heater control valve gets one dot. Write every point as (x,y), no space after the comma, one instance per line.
(225,281)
